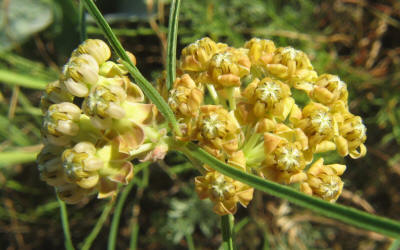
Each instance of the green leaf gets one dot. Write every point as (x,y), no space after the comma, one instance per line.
(21,18)
(345,214)
(145,85)
(17,157)
(171,42)
(12,79)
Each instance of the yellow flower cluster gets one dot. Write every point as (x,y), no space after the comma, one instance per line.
(95,122)
(237,104)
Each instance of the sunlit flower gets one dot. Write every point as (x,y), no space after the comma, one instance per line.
(227,68)
(323,180)
(223,191)
(261,51)
(185,97)
(196,56)
(217,128)
(329,89)
(270,98)
(98,49)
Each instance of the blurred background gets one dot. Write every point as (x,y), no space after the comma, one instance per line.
(357,39)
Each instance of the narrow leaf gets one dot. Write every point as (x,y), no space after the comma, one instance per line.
(17,157)
(171,43)
(16,79)
(345,214)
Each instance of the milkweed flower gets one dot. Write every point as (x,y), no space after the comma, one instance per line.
(96,120)
(324,180)
(241,105)
(225,192)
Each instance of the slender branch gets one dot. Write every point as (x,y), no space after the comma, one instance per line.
(99,225)
(82,22)
(112,237)
(171,43)
(227,231)
(65,225)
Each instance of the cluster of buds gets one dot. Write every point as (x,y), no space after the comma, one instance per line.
(96,121)
(237,104)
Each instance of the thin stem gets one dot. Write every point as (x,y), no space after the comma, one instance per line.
(136,209)
(395,244)
(142,82)
(231,98)
(82,22)
(227,231)
(99,225)
(189,240)
(171,42)
(134,236)
(16,79)
(112,237)
(213,93)
(65,225)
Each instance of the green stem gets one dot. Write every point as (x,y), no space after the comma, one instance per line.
(99,224)
(227,231)
(345,214)
(231,98)
(171,42)
(16,79)
(64,220)
(395,245)
(142,82)
(112,237)
(17,157)
(189,240)
(213,93)
(82,22)
(134,236)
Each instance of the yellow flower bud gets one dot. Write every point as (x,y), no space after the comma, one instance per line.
(75,88)
(261,51)
(317,123)
(98,49)
(352,136)
(324,181)
(61,121)
(185,98)
(283,159)
(196,56)
(54,94)
(81,165)
(104,102)
(83,69)
(328,89)
(226,69)
(291,64)
(217,127)
(223,191)
(270,97)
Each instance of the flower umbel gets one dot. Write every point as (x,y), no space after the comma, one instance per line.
(237,104)
(89,148)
